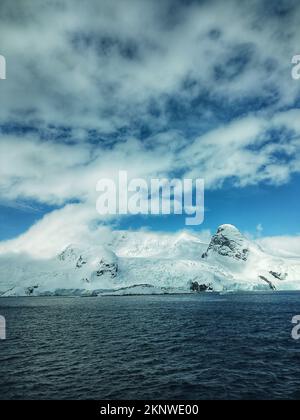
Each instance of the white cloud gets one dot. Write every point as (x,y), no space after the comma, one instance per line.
(259,229)
(81,71)
(288,246)
(105,61)
(73,224)
(243,150)
(54,173)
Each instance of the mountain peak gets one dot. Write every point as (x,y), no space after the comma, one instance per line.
(69,253)
(228,229)
(167,263)
(228,242)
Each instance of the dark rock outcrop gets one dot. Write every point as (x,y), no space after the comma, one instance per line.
(200,288)
(279,276)
(29,291)
(271,285)
(92,262)
(228,242)
(107,267)
(80,262)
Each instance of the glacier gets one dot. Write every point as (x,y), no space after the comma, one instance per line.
(133,263)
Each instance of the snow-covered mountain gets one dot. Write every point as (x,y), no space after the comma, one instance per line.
(143,262)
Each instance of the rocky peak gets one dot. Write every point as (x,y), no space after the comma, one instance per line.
(92,261)
(70,254)
(228,242)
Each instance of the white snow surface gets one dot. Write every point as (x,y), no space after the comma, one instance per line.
(145,262)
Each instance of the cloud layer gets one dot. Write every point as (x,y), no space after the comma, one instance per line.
(191,88)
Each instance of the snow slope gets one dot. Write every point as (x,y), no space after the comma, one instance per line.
(142,262)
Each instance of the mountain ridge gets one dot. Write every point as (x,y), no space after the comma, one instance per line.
(166,263)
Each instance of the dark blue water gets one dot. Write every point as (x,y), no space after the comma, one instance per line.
(163,347)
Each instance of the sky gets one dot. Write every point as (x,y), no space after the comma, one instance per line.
(189,88)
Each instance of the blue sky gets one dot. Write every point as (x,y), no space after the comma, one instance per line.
(255,210)
(199,89)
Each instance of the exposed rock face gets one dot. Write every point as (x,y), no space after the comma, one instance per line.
(271,285)
(228,242)
(74,254)
(80,262)
(279,276)
(200,288)
(107,267)
(70,253)
(164,263)
(29,291)
(92,262)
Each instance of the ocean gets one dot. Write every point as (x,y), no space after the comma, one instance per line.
(183,347)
